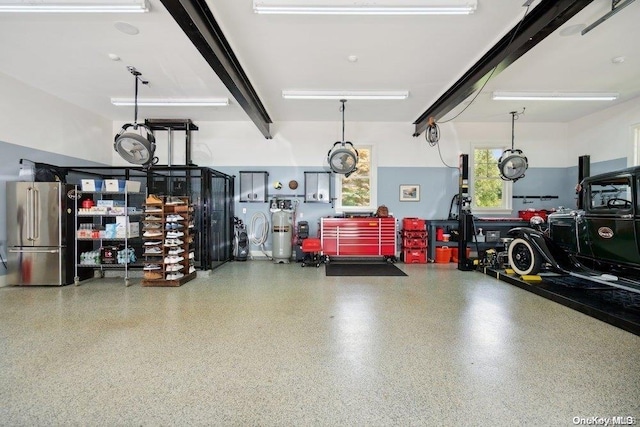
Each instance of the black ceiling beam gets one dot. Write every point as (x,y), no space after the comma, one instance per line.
(197,21)
(543,20)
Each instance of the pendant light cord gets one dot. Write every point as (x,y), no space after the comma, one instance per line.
(514,116)
(136,75)
(135,101)
(342,110)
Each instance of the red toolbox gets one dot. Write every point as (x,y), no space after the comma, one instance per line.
(365,236)
(414,256)
(414,234)
(408,243)
(530,213)
(414,224)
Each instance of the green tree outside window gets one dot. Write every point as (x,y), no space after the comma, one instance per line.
(487,182)
(356,189)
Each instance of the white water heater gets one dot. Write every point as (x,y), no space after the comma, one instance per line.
(282,235)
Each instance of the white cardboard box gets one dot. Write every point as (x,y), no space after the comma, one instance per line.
(111,186)
(91,185)
(132,186)
(132,231)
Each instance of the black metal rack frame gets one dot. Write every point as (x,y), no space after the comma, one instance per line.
(211,193)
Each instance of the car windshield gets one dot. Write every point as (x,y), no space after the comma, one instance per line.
(612,193)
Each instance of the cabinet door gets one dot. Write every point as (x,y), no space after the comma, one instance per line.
(253,186)
(260,186)
(317,187)
(246,187)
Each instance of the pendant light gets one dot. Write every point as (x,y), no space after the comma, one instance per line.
(135,142)
(343,157)
(513,164)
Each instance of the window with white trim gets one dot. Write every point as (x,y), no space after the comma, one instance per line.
(357,193)
(489,192)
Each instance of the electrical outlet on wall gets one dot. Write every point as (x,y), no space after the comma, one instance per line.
(301,215)
(244,210)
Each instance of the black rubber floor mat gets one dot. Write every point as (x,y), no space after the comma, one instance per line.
(338,269)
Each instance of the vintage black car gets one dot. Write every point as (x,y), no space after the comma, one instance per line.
(599,242)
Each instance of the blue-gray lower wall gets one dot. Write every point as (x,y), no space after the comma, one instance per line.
(10,155)
(437,188)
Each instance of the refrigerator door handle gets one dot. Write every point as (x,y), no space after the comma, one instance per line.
(34,251)
(36,214)
(29,216)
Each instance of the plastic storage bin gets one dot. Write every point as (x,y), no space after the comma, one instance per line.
(414,256)
(443,254)
(413,224)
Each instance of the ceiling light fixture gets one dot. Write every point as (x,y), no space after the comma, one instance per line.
(554,96)
(513,164)
(214,102)
(68,6)
(361,7)
(351,94)
(134,147)
(343,156)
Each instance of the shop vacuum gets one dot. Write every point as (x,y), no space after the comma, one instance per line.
(240,240)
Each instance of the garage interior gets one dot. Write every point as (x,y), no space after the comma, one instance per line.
(255,104)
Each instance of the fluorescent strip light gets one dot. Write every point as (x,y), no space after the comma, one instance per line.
(74,7)
(334,7)
(554,96)
(353,94)
(217,102)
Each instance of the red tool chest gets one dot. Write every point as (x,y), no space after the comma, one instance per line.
(358,236)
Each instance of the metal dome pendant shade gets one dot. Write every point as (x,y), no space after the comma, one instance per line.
(512,164)
(135,142)
(343,157)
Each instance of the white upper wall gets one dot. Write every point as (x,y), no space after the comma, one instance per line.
(608,134)
(219,144)
(32,118)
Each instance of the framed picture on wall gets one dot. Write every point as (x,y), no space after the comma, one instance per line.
(410,193)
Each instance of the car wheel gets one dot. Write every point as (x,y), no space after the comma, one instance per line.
(523,258)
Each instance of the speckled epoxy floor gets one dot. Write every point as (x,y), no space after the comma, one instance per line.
(262,344)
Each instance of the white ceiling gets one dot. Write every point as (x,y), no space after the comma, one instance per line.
(67,55)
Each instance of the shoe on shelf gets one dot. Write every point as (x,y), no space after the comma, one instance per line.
(149,275)
(175,201)
(154,250)
(175,276)
(192,255)
(152,210)
(152,199)
(176,251)
(153,243)
(152,233)
(174,234)
(191,269)
(153,218)
(151,225)
(149,267)
(174,218)
(174,267)
(173,259)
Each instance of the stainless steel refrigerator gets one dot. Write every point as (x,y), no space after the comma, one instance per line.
(40,218)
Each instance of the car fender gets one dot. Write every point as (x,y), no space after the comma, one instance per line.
(558,259)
